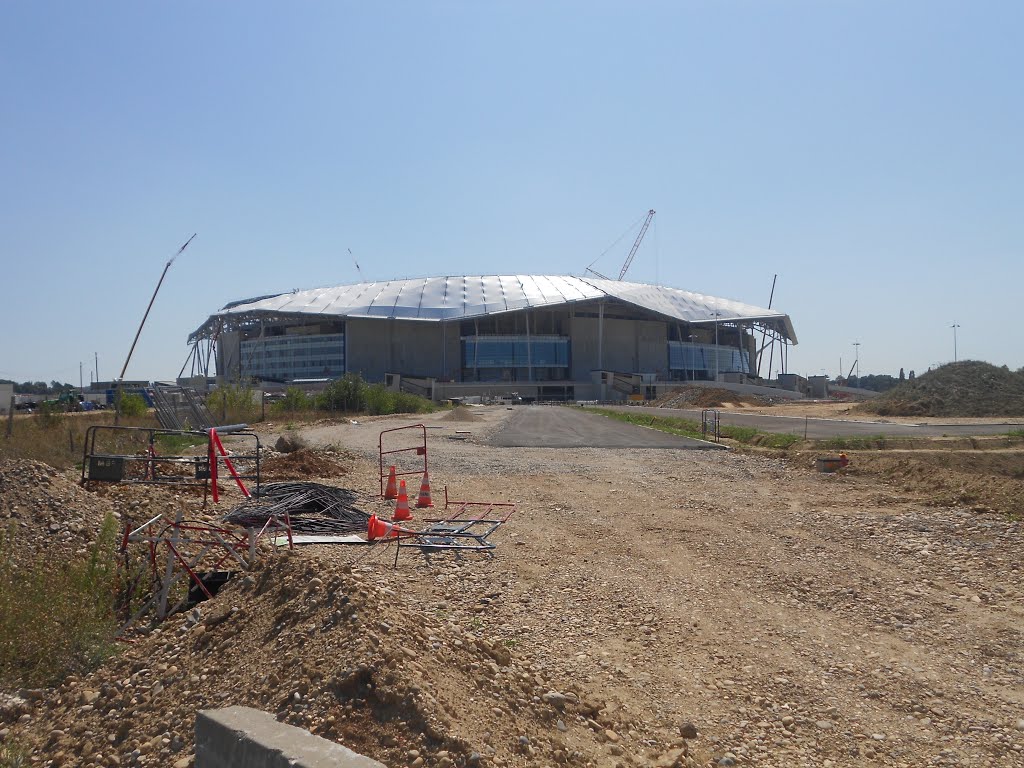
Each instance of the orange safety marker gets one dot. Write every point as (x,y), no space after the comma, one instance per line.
(424,498)
(391,492)
(402,507)
(379,529)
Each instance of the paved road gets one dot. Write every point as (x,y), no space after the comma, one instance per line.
(555,427)
(822,429)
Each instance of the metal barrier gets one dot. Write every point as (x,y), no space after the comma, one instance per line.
(114,454)
(420,450)
(465,527)
(188,561)
(710,421)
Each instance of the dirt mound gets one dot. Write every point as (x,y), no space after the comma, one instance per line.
(707,397)
(323,647)
(968,388)
(460,413)
(304,462)
(43,510)
(982,481)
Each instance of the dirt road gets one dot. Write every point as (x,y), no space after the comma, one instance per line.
(770,615)
(796,618)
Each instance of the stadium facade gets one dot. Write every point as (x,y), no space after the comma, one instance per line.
(544,337)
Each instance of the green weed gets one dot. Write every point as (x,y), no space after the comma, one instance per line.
(13,756)
(690,428)
(57,621)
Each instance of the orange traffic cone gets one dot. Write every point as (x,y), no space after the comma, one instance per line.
(402,507)
(391,491)
(379,529)
(424,499)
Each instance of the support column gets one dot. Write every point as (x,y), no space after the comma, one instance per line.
(529,351)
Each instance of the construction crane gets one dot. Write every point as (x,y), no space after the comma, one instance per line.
(639,239)
(632,251)
(360,271)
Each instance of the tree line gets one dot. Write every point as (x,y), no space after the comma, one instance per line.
(39,387)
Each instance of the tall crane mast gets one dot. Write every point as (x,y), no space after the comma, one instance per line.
(636,245)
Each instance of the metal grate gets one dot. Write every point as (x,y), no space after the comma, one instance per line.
(181,408)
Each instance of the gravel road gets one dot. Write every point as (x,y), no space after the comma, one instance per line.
(796,618)
(649,607)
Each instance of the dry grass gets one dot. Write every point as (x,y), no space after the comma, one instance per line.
(55,621)
(56,439)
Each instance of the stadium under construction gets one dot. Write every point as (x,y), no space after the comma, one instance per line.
(535,337)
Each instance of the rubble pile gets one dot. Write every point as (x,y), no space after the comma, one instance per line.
(324,647)
(43,511)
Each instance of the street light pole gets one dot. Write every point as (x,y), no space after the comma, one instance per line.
(954,327)
(856,359)
(717,315)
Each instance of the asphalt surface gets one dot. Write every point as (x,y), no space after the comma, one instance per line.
(557,427)
(822,429)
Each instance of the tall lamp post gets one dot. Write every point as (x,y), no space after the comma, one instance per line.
(693,359)
(717,315)
(954,326)
(856,359)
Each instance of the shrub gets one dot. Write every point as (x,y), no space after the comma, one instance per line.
(294,401)
(57,621)
(381,401)
(131,405)
(235,403)
(346,394)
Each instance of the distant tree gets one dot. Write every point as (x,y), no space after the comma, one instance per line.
(902,375)
(42,388)
(911,376)
(877,382)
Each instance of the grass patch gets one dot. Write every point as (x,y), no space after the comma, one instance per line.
(874,443)
(175,444)
(56,621)
(691,428)
(671,424)
(350,395)
(13,756)
(235,404)
(1015,433)
(58,439)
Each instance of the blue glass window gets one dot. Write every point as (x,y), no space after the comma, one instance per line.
(515,351)
(701,358)
(294,357)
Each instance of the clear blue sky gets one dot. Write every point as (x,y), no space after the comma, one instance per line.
(870,153)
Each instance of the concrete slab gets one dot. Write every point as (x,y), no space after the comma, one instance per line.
(242,737)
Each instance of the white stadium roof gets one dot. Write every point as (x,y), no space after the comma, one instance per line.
(465,297)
